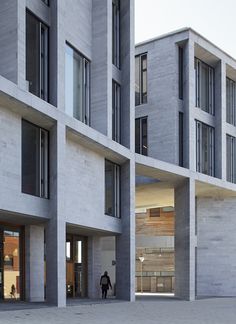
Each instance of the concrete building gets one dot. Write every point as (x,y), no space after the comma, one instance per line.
(68,137)
(66,165)
(185,136)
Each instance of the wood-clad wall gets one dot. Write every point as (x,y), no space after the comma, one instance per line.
(155,222)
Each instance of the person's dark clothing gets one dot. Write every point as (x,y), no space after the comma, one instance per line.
(105,283)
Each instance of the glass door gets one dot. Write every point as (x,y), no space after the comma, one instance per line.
(1,264)
(11,263)
(76,266)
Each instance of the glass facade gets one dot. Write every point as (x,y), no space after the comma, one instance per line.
(140,79)
(141,139)
(204,86)
(205,152)
(35,160)
(77,86)
(37,56)
(112,189)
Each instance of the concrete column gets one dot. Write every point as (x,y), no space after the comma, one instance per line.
(220,117)
(34,263)
(128,73)
(189,105)
(94,266)
(185,240)
(125,242)
(56,227)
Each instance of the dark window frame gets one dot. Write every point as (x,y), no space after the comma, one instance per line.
(43,63)
(86,92)
(140,146)
(230,101)
(47,2)
(140,95)
(181,139)
(181,72)
(210,139)
(210,96)
(44,169)
(231,158)
(116,190)
(116,111)
(116,33)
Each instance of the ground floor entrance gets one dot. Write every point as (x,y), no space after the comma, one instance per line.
(11,262)
(76,266)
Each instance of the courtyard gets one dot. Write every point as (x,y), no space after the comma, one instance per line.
(146,309)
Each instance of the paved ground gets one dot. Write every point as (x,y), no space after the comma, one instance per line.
(146,310)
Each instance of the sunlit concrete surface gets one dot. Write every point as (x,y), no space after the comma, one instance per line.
(144,310)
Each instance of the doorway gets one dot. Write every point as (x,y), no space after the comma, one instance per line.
(76,266)
(11,274)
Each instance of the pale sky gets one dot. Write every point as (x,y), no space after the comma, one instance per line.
(213,19)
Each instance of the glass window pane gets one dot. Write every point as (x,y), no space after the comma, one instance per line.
(144,136)
(204,87)
(11,265)
(76,85)
(137,135)
(137,81)
(109,188)
(30,159)
(33,53)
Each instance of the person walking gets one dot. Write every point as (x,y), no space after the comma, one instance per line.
(105,283)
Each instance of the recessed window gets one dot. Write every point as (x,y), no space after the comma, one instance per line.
(112,189)
(204,86)
(35,160)
(181,73)
(140,79)
(141,141)
(37,56)
(115,111)
(205,138)
(116,33)
(231,158)
(230,102)
(181,139)
(46,2)
(77,85)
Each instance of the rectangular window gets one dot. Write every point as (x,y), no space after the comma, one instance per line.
(115,111)
(204,86)
(140,79)
(112,189)
(46,2)
(205,153)
(77,85)
(35,160)
(141,141)
(37,56)
(116,33)
(181,73)
(231,158)
(230,102)
(181,138)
